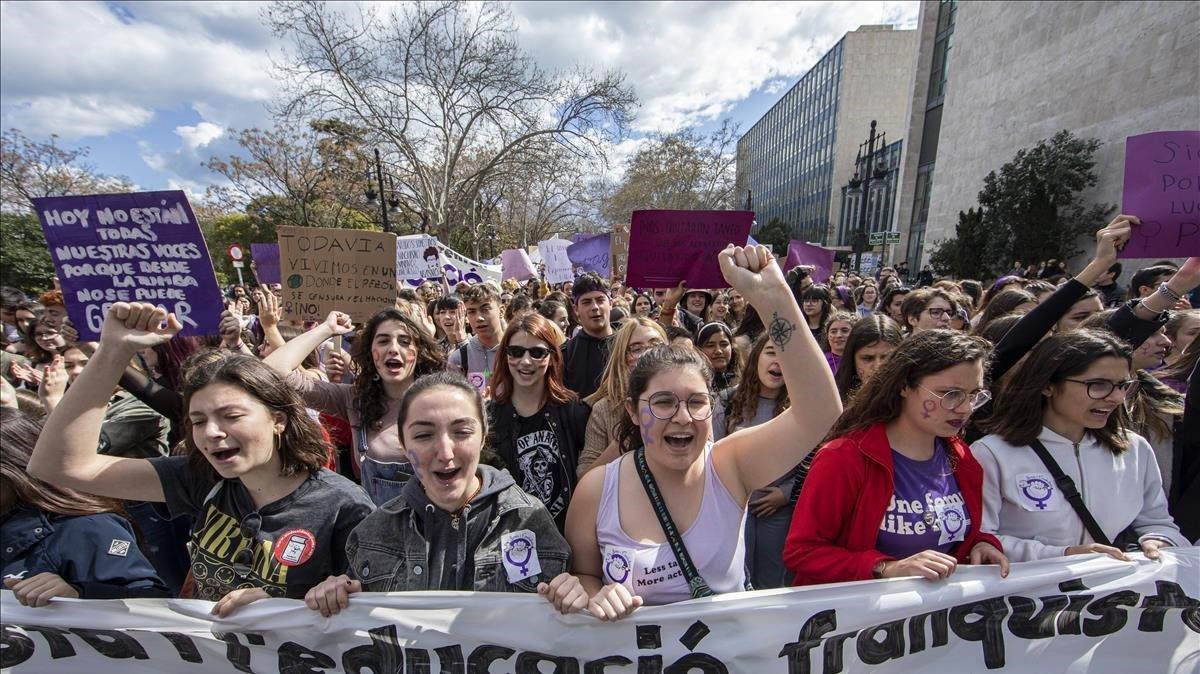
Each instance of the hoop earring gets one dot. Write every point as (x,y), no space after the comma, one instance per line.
(375,377)
(277,441)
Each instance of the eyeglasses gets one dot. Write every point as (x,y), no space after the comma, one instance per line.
(244,559)
(937,312)
(1099,389)
(535,352)
(954,398)
(664,405)
(636,350)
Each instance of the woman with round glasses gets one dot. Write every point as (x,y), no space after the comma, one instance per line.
(895,492)
(927,309)
(635,338)
(1067,397)
(537,424)
(270,521)
(672,477)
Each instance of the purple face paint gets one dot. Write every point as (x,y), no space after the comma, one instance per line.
(927,406)
(647,419)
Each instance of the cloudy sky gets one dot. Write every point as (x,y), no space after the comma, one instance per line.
(152,88)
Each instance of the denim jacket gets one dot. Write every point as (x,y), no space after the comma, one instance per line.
(409,544)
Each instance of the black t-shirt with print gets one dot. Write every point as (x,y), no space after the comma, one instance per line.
(538,465)
(301,539)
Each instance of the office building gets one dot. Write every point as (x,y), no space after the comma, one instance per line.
(794,161)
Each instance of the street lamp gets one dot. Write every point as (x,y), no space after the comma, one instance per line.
(867,171)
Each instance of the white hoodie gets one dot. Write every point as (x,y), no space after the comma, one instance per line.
(1023,505)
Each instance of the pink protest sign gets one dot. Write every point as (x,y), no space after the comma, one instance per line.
(809,254)
(666,247)
(515,264)
(1162,188)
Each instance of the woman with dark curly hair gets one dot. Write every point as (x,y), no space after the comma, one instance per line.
(389,353)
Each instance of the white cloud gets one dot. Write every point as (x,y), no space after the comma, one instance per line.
(690,63)
(775,86)
(74,116)
(199,135)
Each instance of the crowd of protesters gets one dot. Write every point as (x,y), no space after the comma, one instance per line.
(603,446)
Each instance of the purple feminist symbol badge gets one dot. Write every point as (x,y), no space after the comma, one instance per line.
(617,567)
(1036,489)
(519,552)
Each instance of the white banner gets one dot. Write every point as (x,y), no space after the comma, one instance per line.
(415,262)
(1072,614)
(558,265)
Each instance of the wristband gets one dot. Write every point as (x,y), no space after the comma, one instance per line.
(1164,289)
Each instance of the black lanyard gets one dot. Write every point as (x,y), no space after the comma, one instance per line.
(696,583)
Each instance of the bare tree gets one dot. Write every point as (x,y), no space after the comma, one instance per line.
(31,169)
(446,94)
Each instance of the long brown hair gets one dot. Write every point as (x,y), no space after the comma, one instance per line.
(1020,406)
(744,402)
(540,328)
(864,333)
(918,356)
(370,397)
(18,434)
(302,447)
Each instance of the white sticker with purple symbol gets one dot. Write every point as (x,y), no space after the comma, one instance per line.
(618,566)
(520,555)
(1036,492)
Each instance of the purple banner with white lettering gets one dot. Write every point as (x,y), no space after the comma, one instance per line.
(666,247)
(809,254)
(138,247)
(592,254)
(265,257)
(1162,188)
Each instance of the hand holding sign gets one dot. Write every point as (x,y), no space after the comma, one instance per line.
(134,326)
(1111,239)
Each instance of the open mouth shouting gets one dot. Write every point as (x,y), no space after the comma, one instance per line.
(447,476)
(393,367)
(224,456)
(1100,414)
(679,440)
(775,374)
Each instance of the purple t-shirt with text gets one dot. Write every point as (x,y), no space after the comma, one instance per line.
(927,511)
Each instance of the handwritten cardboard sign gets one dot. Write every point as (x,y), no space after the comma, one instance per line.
(350,270)
(620,251)
(554,256)
(1162,188)
(592,254)
(266,262)
(136,247)
(800,253)
(666,247)
(417,257)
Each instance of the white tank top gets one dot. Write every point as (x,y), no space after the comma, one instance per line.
(715,543)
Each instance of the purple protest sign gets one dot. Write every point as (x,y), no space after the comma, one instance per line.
(515,264)
(666,247)
(806,253)
(266,262)
(592,254)
(1162,188)
(139,247)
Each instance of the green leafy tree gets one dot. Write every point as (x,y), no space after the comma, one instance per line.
(777,234)
(1031,207)
(959,256)
(25,259)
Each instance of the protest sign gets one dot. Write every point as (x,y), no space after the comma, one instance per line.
(460,268)
(350,270)
(871,261)
(800,252)
(417,257)
(515,264)
(592,254)
(666,247)
(554,256)
(1067,614)
(1162,188)
(136,247)
(265,257)
(620,251)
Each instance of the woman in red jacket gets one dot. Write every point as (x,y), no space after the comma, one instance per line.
(896,492)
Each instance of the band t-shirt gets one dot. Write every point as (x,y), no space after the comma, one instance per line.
(291,544)
(539,466)
(926,511)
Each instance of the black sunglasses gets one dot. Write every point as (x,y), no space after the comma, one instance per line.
(535,352)
(250,526)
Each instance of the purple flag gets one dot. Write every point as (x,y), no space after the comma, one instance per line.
(266,262)
(137,247)
(1162,188)
(666,247)
(515,263)
(592,254)
(806,253)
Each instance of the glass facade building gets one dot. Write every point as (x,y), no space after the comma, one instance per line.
(785,161)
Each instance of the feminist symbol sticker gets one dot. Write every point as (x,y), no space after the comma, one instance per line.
(520,555)
(618,566)
(1036,488)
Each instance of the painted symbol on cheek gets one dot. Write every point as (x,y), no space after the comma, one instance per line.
(648,420)
(927,407)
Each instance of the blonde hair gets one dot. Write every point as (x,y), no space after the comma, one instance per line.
(615,381)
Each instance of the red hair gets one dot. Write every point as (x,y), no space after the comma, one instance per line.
(539,328)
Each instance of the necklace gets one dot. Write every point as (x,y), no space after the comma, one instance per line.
(454,517)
